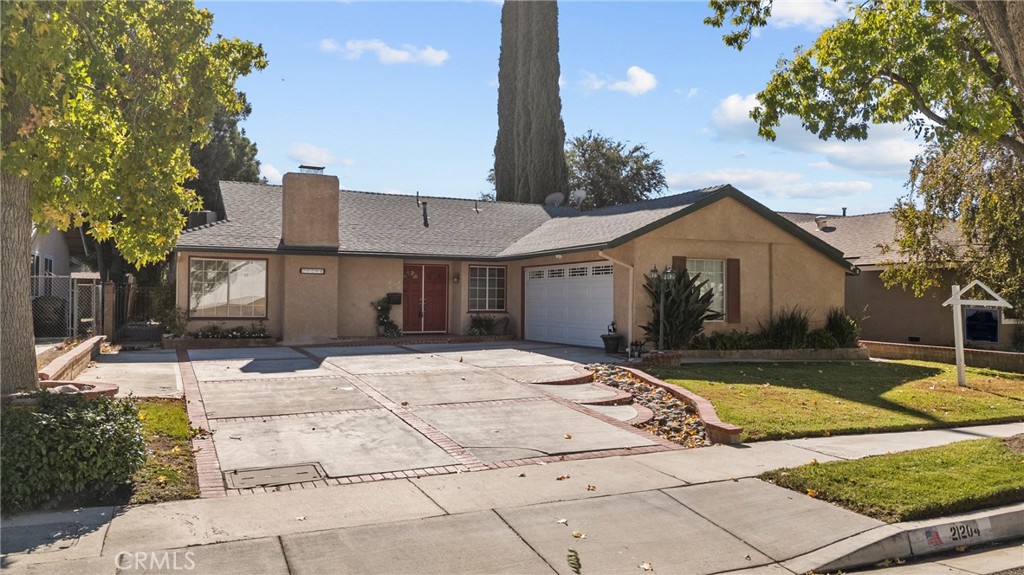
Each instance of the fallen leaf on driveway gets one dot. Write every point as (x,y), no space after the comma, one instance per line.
(579,535)
(522,475)
(303,518)
(591,488)
(812,493)
(561,478)
(646,566)
(563,521)
(568,436)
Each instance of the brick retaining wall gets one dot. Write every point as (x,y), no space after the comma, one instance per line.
(69,365)
(1002,360)
(677,356)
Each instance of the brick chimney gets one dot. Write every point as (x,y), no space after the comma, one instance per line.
(310,210)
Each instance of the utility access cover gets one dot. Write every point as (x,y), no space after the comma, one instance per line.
(271,476)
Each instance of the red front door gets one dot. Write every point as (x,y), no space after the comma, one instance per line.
(425,299)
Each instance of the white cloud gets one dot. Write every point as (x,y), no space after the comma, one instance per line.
(306,153)
(887,152)
(809,14)
(774,184)
(692,93)
(406,54)
(272,174)
(638,81)
(822,165)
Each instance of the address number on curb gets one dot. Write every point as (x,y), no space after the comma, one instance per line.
(949,535)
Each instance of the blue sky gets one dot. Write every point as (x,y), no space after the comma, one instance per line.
(400,97)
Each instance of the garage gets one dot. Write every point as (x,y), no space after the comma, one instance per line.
(570,303)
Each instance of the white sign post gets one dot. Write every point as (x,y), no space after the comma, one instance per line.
(958,319)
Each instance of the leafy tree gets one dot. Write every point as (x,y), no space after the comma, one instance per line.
(610,173)
(979,187)
(529,159)
(896,61)
(687,307)
(101,101)
(950,70)
(229,155)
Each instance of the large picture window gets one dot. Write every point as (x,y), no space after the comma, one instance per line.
(227,288)
(486,288)
(713,271)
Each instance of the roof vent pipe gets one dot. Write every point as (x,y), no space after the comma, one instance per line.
(822,222)
(844,212)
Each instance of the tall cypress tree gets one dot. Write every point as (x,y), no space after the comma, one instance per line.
(529,154)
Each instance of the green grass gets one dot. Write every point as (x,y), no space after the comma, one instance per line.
(788,400)
(919,484)
(170,470)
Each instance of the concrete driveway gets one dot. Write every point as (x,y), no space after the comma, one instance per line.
(289,415)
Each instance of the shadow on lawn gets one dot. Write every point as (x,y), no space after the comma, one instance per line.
(860,382)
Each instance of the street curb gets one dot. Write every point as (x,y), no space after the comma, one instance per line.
(914,539)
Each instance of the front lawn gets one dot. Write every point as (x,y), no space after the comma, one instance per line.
(170,469)
(788,400)
(920,484)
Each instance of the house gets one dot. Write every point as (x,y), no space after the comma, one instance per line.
(55,271)
(896,314)
(307,259)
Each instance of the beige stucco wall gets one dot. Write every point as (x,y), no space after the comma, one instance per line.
(310,308)
(777,270)
(896,315)
(309,210)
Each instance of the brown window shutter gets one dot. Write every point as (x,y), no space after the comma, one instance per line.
(679,263)
(732,290)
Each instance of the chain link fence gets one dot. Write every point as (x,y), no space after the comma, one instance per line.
(66,307)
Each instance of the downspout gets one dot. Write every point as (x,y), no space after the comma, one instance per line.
(632,288)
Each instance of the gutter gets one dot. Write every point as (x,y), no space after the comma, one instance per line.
(629,328)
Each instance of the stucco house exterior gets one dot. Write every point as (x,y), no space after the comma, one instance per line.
(895,314)
(306,259)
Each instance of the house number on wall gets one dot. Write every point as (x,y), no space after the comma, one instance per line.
(312,271)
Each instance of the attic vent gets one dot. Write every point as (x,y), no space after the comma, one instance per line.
(305,169)
(823,225)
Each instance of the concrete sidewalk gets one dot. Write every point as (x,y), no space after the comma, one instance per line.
(696,511)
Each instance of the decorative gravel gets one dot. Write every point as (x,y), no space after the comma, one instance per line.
(674,420)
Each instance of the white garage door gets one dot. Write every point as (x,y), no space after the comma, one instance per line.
(571,303)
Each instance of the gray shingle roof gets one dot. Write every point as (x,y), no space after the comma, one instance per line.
(859,237)
(371,223)
(604,225)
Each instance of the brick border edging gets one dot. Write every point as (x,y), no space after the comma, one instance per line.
(74,362)
(211,480)
(718,431)
(983,358)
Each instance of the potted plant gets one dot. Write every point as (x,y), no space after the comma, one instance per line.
(612,339)
(385,326)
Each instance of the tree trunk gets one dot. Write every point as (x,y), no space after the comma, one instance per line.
(17,351)
(1003,23)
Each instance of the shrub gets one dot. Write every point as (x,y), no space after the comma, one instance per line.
(68,449)
(725,341)
(821,339)
(687,306)
(254,331)
(481,325)
(387,326)
(844,329)
(786,329)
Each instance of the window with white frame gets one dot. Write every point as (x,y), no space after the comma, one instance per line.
(227,288)
(712,271)
(486,288)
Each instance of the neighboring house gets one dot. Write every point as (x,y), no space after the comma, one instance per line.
(896,314)
(54,274)
(307,259)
